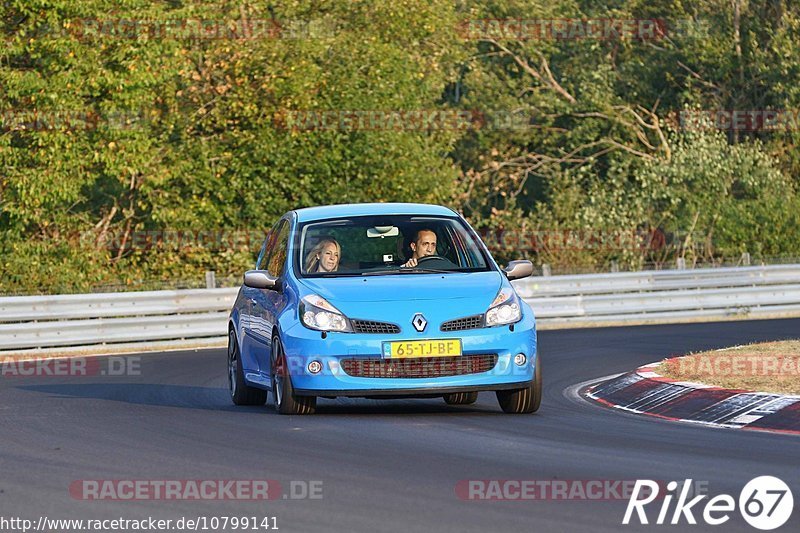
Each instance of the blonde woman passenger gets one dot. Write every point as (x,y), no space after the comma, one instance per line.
(324,257)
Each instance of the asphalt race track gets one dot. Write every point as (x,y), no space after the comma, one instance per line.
(384,465)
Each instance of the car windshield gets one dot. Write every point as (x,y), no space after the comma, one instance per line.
(387,245)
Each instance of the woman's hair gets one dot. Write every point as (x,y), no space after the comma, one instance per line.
(312,262)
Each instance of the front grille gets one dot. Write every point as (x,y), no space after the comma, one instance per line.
(469,322)
(418,367)
(370,326)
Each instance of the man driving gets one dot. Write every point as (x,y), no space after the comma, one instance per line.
(424,244)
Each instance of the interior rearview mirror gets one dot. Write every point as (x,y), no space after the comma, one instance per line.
(383,231)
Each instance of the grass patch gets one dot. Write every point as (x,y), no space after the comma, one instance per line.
(762,367)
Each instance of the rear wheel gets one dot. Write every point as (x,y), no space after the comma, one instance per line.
(524,400)
(241,392)
(284,399)
(461,398)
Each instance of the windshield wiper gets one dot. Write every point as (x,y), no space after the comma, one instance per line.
(412,270)
(333,275)
(427,270)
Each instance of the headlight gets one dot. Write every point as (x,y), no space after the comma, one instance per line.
(504,309)
(317,313)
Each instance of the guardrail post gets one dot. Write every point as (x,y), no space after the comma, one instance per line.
(614,266)
(680,264)
(211,279)
(746,259)
(546,270)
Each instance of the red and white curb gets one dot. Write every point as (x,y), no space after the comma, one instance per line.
(646,392)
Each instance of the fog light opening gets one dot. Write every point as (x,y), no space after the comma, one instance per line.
(314,367)
(520,359)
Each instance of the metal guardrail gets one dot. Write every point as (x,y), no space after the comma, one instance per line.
(89,319)
(30,322)
(122,304)
(664,294)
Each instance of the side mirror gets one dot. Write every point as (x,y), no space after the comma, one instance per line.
(259,279)
(518,269)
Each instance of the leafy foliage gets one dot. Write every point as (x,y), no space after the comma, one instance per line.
(127,126)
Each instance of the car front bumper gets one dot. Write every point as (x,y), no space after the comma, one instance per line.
(302,346)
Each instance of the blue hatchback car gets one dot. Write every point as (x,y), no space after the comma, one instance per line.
(380,301)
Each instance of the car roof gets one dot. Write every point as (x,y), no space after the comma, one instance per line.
(354,210)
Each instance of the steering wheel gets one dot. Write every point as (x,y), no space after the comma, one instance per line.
(436,262)
(431,258)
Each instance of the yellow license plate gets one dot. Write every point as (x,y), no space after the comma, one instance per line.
(435,348)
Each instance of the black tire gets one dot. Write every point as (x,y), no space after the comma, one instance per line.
(461,398)
(241,392)
(284,399)
(525,400)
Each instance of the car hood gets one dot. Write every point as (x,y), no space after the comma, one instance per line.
(479,286)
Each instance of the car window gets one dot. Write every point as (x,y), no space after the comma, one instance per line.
(378,243)
(277,257)
(268,246)
(261,261)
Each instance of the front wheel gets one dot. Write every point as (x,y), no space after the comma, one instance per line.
(525,400)
(241,392)
(284,399)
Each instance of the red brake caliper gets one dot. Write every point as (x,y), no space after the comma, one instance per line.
(280,365)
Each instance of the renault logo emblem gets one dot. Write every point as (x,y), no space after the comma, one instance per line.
(419,322)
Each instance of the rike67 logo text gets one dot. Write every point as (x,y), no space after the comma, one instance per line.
(765,503)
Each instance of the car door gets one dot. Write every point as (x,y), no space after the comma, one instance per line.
(268,303)
(250,344)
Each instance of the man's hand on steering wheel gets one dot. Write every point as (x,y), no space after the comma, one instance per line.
(414,262)
(430,257)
